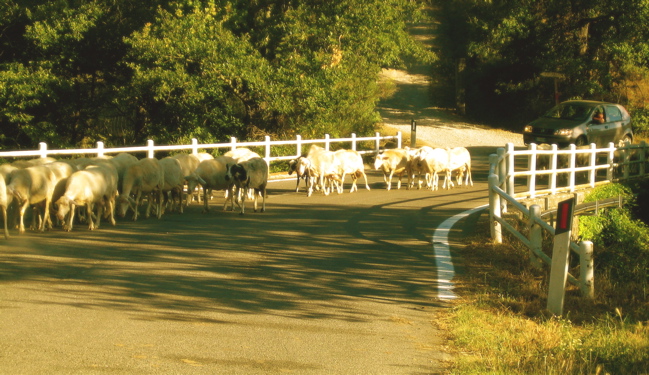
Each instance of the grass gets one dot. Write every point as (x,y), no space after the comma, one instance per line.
(500,325)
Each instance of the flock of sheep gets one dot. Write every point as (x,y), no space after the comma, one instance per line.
(107,186)
(326,170)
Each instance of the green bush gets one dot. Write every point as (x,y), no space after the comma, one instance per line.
(640,118)
(621,241)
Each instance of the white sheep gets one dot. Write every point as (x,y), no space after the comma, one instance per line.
(250,174)
(239,155)
(95,186)
(188,164)
(459,160)
(323,169)
(350,162)
(301,168)
(433,161)
(211,175)
(31,186)
(392,162)
(174,181)
(4,203)
(144,177)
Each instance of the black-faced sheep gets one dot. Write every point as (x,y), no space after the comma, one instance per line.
(250,174)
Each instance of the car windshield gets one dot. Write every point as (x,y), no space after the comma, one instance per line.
(569,111)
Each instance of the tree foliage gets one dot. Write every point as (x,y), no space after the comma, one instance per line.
(76,71)
(600,46)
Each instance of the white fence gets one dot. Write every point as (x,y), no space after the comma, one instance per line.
(514,175)
(268,145)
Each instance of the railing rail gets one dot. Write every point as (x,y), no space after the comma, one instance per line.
(150,149)
(561,172)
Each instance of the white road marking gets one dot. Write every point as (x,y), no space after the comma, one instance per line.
(443,260)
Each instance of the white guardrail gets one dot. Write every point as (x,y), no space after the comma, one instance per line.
(513,176)
(150,149)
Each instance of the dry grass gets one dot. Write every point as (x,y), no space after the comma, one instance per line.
(500,326)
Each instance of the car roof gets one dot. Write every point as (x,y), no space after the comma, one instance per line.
(590,102)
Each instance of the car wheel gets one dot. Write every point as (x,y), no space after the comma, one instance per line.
(581,141)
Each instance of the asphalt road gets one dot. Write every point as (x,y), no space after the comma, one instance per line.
(339,284)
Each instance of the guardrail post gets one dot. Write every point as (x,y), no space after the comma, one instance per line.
(553,167)
(592,172)
(494,210)
(327,142)
(298,146)
(100,148)
(377,143)
(531,166)
(509,173)
(233,143)
(625,160)
(267,146)
(42,148)
(194,146)
(536,236)
(642,154)
(150,151)
(610,160)
(354,141)
(399,139)
(586,270)
(572,166)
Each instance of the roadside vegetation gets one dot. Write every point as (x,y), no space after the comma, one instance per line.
(501,326)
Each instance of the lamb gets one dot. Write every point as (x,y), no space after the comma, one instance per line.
(211,174)
(93,186)
(416,166)
(350,162)
(391,162)
(4,203)
(459,159)
(323,165)
(250,174)
(30,186)
(174,181)
(300,166)
(144,177)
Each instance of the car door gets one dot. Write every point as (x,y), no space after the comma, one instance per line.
(614,126)
(597,132)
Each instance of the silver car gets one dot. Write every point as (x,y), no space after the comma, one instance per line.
(581,122)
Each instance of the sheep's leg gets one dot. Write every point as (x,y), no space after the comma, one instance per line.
(254,200)
(160,203)
(111,210)
(263,196)
(469,179)
(206,206)
(389,181)
(136,207)
(6,228)
(243,202)
(21,225)
(73,209)
(365,178)
(91,224)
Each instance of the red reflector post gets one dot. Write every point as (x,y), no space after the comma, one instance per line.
(565,213)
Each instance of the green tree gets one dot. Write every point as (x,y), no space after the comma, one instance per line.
(598,45)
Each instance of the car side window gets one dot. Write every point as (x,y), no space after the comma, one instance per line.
(613,113)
